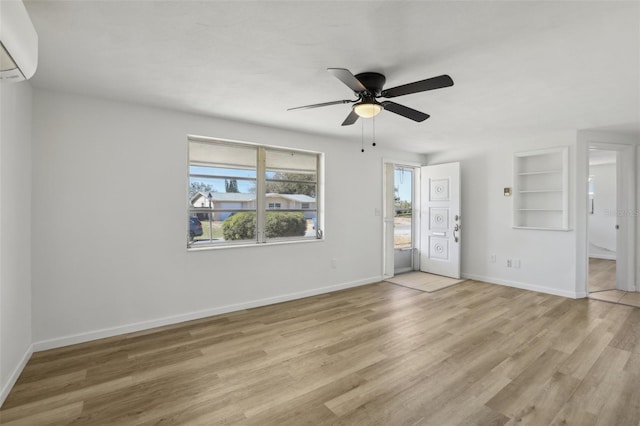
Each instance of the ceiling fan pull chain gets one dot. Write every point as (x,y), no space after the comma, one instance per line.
(374,131)
(362,135)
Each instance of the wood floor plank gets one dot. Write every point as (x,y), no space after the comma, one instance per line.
(386,377)
(628,336)
(60,415)
(474,398)
(518,395)
(584,357)
(548,401)
(591,395)
(43,405)
(28,391)
(602,274)
(519,361)
(380,354)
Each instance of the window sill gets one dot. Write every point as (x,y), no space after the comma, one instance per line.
(273,243)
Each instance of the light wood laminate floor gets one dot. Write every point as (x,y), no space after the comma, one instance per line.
(379,354)
(602,284)
(618,296)
(602,274)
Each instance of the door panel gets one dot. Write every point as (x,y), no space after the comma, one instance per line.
(440,219)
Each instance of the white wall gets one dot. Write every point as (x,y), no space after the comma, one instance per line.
(546,257)
(110,266)
(602,232)
(15,234)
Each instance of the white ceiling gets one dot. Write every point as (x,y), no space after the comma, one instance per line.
(520,68)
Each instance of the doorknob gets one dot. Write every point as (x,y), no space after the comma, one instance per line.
(456,229)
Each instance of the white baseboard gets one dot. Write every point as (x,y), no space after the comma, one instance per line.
(525,286)
(159,322)
(13,378)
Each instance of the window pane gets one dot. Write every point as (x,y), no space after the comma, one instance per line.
(290,186)
(222,168)
(221,154)
(222,193)
(291,161)
(403,179)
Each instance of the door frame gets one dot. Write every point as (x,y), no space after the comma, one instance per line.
(387,239)
(626,201)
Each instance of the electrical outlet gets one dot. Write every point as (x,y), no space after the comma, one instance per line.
(516,263)
(334,263)
(492,258)
(509,263)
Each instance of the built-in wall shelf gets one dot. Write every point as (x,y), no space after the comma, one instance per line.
(541,180)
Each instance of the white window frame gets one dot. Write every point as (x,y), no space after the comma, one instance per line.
(261,199)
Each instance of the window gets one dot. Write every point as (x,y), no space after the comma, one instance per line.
(241,193)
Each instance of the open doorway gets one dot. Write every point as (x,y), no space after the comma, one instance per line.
(607,257)
(602,220)
(421,229)
(400,218)
(403,201)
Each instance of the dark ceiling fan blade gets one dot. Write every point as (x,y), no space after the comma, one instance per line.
(345,76)
(351,118)
(405,111)
(345,101)
(418,86)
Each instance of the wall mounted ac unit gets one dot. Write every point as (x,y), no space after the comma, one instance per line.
(18,42)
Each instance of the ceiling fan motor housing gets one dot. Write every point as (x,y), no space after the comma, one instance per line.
(373,81)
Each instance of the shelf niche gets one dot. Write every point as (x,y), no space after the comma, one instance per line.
(540,197)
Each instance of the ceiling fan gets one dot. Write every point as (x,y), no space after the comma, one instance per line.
(368,87)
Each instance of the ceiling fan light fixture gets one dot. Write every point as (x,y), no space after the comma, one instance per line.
(367,109)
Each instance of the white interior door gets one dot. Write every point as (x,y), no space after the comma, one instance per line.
(440,219)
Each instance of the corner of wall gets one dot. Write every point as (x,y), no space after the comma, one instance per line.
(15,241)
(15,374)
